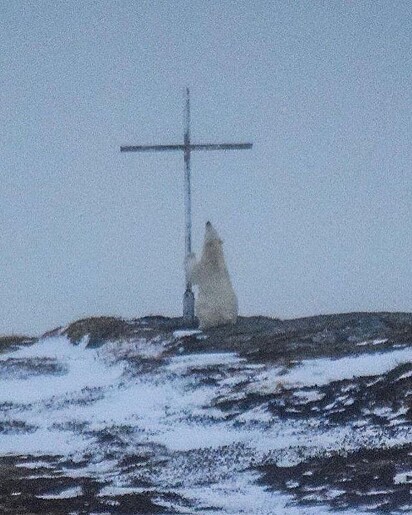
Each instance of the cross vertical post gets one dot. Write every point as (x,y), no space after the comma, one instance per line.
(187,148)
(188,296)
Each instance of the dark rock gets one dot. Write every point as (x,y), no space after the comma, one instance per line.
(361,479)
(98,329)
(14,341)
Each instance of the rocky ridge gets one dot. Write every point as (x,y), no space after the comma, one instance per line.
(268,416)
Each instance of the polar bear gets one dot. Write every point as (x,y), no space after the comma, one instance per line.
(217,303)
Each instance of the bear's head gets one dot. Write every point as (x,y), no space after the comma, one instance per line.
(211,235)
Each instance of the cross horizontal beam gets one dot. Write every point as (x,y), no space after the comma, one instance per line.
(190,147)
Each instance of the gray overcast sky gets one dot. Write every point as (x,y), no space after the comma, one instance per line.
(315,219)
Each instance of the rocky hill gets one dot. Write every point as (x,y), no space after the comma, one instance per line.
(269,416)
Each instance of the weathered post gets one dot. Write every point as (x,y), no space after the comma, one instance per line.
(188,296)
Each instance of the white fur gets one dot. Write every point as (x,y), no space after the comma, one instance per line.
(217,303)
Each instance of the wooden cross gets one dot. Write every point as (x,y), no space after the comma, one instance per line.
(187,148)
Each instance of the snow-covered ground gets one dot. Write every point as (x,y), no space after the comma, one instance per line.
(99,409)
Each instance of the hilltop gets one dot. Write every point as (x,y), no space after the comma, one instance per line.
(267,416)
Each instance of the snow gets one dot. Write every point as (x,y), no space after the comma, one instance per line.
(244,496)
(405,375)
(171,406)
(372,342)
(112,491)
(186,332)
(83,369)
(180,363)
(403,478)
(309,396)
(43,441)
(382,412)
(34,464)
(64,494)
(115,350)
(259,414)
(318,372)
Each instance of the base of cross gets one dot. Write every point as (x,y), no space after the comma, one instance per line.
(189,308)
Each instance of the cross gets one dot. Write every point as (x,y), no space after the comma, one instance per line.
(187,148)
